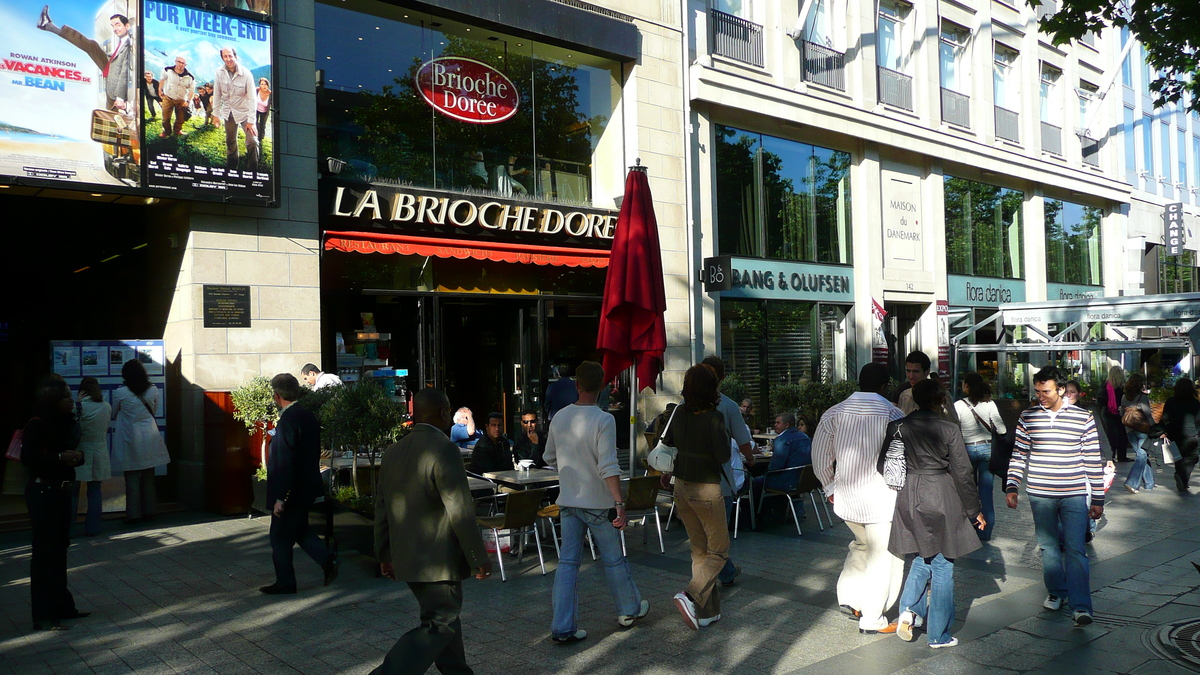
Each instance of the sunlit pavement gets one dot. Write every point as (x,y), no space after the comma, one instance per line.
(181,596)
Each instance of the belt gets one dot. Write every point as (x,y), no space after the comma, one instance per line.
(926,472)
(56,484)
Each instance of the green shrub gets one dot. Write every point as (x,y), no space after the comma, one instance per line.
(254,404)
(733,387)
(810,399)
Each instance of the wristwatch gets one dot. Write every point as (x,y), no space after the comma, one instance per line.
(618,504)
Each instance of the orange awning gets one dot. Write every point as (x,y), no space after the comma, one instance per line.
(381,242)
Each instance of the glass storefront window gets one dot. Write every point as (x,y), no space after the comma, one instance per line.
(1073,244)
(983,229)
(1177,273)
(781,199)
(563,143)
(774,342)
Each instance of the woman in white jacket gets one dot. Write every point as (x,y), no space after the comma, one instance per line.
(979,418)
(138,441)
(94,416)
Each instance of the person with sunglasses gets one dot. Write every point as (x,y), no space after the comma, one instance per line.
(531,444)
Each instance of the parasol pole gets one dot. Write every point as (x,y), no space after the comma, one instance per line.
(633,392)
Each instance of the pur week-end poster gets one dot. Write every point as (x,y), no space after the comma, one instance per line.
(68,91)
(210,129)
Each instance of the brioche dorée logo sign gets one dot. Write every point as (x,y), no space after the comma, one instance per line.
(468,90)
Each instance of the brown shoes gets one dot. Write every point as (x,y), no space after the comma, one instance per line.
(886,630)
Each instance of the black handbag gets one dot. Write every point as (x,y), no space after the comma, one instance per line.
(1002,447)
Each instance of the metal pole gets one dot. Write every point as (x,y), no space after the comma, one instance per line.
(633,392)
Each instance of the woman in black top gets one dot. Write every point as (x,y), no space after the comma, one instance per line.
(48,451)
(698,432)
(1181,423)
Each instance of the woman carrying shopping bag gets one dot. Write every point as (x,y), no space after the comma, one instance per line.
(1180,424)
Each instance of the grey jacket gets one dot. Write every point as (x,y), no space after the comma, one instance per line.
(424,514)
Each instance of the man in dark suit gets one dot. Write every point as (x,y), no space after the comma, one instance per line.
(492,452)
(293,484)
(426,536)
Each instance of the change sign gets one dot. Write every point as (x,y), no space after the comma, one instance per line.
(1174,218)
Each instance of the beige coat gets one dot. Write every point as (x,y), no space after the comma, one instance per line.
(424,514)
(94,441)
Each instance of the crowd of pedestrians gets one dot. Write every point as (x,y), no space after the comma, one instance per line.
(911,473)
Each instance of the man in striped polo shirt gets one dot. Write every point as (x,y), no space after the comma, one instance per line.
(1057,455)
(845,452)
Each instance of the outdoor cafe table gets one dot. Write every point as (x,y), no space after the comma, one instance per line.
(480,488)
(524,480)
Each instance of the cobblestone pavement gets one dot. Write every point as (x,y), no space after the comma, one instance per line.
(181,597)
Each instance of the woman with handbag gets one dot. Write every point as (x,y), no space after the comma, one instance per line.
(94,416)
(937,514)
(697,432)
(138,441)
(980,422)
(1137,418)
(1180,424)
(1108,412)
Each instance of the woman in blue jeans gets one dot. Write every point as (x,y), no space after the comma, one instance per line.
(934,514)
(979,418)
(1141,475)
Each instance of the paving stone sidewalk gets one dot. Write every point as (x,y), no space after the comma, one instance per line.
(180,597)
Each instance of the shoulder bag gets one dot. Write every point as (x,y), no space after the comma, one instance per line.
(662,457)
(1134,418)
(1002,448)
(891,462)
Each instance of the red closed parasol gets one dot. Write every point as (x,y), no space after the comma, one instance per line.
(632,330)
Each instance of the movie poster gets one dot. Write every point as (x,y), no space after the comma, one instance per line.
(69,91)
(212,133)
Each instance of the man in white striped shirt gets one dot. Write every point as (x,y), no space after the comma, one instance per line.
(849,436)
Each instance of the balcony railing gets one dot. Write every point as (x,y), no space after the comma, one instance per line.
(956,108)
(824,65)
(895,88)
(1008,125)
(736,38)
(1091,150)
(1051,138)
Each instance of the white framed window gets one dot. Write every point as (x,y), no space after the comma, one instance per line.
(738,8)
(1088,94)
(1005,80)
(892,35)
(952,57)
(1051,106)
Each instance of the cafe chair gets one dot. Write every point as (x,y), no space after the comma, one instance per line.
(519,518)
(746,494)
(806,484)
(552,514)
(642,501)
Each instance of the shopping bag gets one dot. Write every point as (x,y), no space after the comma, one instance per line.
(1170,451)
(490,540)
(1110,474)
(14,446)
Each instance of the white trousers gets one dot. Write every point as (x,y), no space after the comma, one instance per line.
(872,577)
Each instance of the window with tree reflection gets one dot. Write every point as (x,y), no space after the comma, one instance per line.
(1073,243)
(984,234)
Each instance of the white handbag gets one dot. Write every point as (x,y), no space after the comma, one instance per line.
(662,457)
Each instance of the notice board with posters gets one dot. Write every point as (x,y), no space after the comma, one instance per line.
(82,100)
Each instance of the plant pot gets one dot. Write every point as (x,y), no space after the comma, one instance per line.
(260,495)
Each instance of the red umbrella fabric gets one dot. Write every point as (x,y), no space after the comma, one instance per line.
(631,321)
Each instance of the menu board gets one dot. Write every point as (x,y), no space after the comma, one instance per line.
(82,97)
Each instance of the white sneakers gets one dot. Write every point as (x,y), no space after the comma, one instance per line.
(904,626)
(1082,617)
(627,621)
(1052,603)
(688,609)
(710,620)
(953,642)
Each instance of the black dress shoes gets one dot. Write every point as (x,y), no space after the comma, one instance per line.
(278,589)
(49,624)
(331,569)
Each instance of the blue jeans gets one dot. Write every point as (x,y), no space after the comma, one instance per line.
(981,455)
(1141,475)
(936,573)
(575,522)
(1065,571)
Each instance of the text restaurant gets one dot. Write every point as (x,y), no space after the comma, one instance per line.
(471,176)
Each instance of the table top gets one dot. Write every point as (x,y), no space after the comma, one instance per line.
(765,437)
(479,485)
(523,478)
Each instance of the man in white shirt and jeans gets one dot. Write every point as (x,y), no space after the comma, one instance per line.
(233,104)
(582,447)
(845,452)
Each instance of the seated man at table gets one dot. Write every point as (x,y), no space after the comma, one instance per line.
(464,432)
(582,447)
(531,444)
(791,448)
(492,452)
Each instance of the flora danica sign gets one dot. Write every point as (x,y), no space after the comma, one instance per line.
(465,216)
(468,90)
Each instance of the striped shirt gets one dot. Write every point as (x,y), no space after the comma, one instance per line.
(850,435)
(1057,454)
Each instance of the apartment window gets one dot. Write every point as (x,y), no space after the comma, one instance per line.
(983,229)
(1005,86)
(1181,159)
(952,57)
(1130,147)
(1177,273)
(1051,110)
(1127,64)
(1148,152)
(738,8)
(891,35)
(1147,72)
(1089,147)
(1165,140)
(823,62)
(1073,245)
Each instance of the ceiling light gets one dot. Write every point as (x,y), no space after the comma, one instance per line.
(97,194)
(88,267)
(111,257)
(140,246)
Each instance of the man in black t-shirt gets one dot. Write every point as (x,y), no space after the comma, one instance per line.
(492,452)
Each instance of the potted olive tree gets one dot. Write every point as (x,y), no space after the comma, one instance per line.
(362,418)
(254,406)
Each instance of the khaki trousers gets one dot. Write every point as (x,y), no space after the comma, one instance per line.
(702,509)
(871,577)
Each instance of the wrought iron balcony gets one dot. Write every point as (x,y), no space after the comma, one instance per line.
(895,88)
(735,38)
(1008,125)
(956,108)
(824,65)
(1051,138)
